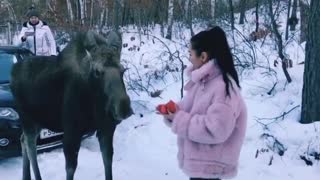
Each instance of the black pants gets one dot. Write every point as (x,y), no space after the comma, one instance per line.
(204,179)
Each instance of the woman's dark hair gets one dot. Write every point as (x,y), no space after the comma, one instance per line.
(214,42)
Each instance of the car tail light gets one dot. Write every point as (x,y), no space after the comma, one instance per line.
(4,142)
(8,113)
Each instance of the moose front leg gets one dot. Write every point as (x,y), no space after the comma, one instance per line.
(26,162)
(106,146)
(29,143)
(71,146)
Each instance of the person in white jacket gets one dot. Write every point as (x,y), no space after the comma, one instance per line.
(37,36)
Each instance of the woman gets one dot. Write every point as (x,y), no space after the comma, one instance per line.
(211,119)
(37,36)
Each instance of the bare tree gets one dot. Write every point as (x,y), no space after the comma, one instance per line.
(186,7)
(170,20)
(243,4)
(189,16)
(85,9)
(213,8)
(91,13)
(106,14)
(304,13)
(102,17)
(70,12)
(7,4)
(288,15)
(310,93)
(81,7)
(257,15)
(231,14)
(278,37)
(293,21)
(116,14)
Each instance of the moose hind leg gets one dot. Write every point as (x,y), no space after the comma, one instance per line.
(30,136)
(106,147)
(26,163)
(71,146)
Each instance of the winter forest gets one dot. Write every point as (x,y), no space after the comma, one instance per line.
(275,46)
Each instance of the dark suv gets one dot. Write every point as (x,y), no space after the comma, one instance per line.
(10,130)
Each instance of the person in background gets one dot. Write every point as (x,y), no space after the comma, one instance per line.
(37,36)
(210,121)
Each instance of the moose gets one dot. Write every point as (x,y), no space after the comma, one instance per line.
(79,91)
(261,33)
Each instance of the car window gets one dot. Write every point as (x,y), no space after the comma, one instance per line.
(6,63)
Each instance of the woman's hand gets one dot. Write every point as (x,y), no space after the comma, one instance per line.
(169,116)
(169,110)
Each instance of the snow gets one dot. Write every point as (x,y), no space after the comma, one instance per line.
(145,148)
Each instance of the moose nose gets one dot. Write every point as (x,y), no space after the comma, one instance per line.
(124,115)
(124,109)
(130,112)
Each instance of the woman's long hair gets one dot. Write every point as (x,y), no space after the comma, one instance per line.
(214,42)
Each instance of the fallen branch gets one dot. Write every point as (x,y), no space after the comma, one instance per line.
(270,92)
(282,116)
(274,144)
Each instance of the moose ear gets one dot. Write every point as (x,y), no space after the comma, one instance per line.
(90,40)
(114,40)
(100,39)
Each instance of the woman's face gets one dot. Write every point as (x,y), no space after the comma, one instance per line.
(197,61)
(34,20)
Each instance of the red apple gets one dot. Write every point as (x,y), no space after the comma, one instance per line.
(162,109)
(171,106)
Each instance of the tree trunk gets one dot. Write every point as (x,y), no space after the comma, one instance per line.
(293,18)
(125,13)
(257,15)
(161,14)
(139,22)
(77,10)
(81,6)
(186,9)
(243,4)
(213,8)
(70,12)
(85,8)
(279,41)
(91,14)
(231,14)
(170,20)
(310,93)
(106,16)
(304,11)
(189,20)
(116,14)
(101,18)
(288,15)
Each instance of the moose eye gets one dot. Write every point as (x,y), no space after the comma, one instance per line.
(97,73)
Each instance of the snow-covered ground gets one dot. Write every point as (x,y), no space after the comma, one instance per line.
(146,149)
